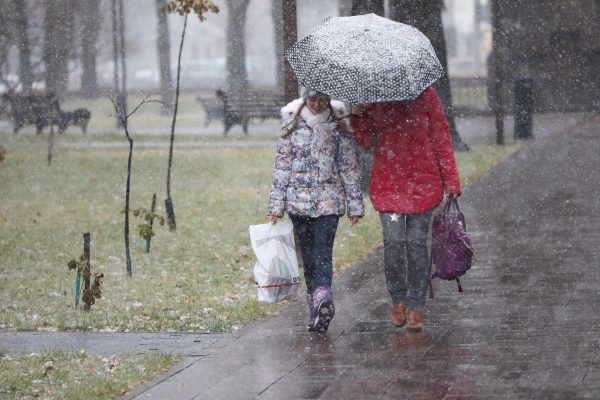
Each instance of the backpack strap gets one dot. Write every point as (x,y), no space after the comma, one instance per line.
(431,276)
(460,289)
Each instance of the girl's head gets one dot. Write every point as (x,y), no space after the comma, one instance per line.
(316,101)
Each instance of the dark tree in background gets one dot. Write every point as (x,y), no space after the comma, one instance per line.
(58,40)
(5,39)
(19,8)
(426,15)
(164,59)
(91,21)
(119,64)
(277,15)
(364,156)
(290,36)
(237,76)
(367,7)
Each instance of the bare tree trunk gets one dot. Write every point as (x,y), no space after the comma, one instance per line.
(360,7)
(237,76)
(426,16)
(497,70)
(124,117)
(122,51)
(164,59)
(91,20)
(277,15)
(119,78)
(58,27)
(365,156)
(22,34)
(169,201)
(290,35)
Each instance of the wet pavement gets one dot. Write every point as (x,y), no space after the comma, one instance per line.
(526,327)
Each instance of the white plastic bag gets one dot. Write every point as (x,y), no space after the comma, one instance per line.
(276,271)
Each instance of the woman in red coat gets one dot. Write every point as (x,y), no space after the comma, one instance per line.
(413,168)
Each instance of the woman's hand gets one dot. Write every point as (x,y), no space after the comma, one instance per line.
(272,219)
(354,220)
(358,110)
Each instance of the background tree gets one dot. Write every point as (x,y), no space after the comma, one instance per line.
(119,63)
(6,39)
(164,59)
(123,116)
(237,76)
(58,39)
(91,21)
(19,8)
(426,15)
(367,6)
(277,15)
(359,7)
(182,7)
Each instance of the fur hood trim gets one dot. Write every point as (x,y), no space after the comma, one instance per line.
(289,109)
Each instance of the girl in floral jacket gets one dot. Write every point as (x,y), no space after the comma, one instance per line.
(315,178)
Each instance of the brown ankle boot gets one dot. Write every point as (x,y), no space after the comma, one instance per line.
(415,321)
(399,314)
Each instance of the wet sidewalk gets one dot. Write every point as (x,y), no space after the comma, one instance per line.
(526,327)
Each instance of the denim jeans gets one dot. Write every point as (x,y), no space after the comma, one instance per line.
(406,257)
(316,236)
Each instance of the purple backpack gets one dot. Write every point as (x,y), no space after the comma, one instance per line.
(451,248)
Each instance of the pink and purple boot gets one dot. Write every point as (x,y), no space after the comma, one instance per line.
(323,309)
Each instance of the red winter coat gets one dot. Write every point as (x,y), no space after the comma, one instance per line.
(413,161)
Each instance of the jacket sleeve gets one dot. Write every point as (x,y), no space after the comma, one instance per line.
(350,175)
(281,176)
(364,129)
(442,144)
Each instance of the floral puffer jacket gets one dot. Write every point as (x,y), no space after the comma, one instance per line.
(314,178)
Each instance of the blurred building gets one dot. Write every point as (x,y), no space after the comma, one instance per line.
(555,44)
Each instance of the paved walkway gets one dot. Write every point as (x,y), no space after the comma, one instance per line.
(526,327)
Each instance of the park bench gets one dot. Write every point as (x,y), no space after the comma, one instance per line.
(39,109)
(237,110)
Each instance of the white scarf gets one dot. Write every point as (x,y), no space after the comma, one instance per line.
(321,127)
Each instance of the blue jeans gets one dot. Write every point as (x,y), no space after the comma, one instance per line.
(316,237)
(406,257)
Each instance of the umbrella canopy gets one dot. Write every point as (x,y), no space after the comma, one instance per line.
(365,59)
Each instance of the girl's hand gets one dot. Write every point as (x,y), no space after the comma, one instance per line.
(354,220)
(272,219)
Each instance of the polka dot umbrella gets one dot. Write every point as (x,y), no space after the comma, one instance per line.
(365,59)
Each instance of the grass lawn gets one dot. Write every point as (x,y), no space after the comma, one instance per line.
(197,279)
(190,112)
(67,375)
